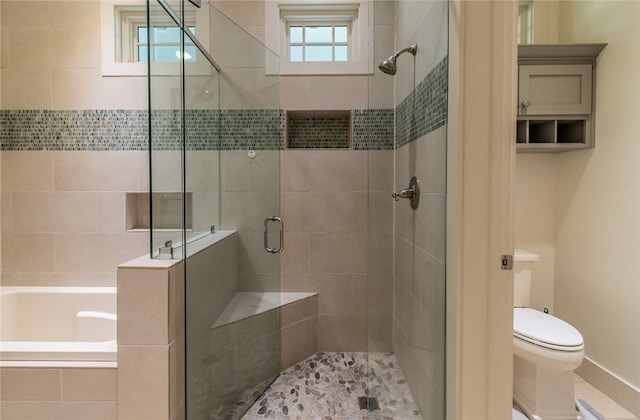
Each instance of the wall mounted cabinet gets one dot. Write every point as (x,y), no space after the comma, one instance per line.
(556,97)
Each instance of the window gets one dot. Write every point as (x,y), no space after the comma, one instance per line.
(166,46)
(126,37)
(132,36)
(314,37)
(525,21)
(317,42)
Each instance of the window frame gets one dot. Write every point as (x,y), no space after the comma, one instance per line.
(280,13)
(115,14)
(525,22)
(317,23)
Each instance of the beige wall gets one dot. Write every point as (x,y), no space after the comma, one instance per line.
(597,283)
(324,203)
(535,220)
(589,202)
(63,213)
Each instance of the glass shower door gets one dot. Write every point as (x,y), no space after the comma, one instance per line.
(232,290)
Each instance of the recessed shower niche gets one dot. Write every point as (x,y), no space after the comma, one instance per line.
(319,129)
(167,211)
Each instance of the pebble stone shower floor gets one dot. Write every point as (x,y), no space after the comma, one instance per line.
(326,386)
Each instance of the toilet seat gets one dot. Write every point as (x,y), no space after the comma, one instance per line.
(545,330)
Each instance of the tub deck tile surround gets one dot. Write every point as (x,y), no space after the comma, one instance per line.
(150,293)
(58,393)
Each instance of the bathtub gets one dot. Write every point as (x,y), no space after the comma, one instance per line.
(58,327)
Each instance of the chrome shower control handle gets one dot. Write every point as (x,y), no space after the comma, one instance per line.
(406,193)
(412,193)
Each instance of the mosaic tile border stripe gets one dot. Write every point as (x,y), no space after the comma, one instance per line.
(70,130)
(116,130)
(425,109)
(373,129)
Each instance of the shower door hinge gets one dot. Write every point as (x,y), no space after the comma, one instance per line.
(506,262)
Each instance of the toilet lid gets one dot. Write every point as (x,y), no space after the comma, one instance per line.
(545,330)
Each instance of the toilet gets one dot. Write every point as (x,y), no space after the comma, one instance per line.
(546,350)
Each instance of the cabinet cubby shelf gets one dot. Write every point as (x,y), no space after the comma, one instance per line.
(556,97)
(552,134)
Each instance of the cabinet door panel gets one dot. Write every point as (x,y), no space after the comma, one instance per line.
(555,89)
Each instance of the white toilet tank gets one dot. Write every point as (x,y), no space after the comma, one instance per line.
(523,264)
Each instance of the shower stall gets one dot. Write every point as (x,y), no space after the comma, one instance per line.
(315,262)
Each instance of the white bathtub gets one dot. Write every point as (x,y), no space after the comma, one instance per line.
(58,327)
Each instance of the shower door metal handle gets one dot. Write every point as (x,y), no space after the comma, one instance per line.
(266,234)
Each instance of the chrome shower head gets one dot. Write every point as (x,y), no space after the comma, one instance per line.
(389,65)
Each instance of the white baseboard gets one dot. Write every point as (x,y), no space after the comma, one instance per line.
(616,388)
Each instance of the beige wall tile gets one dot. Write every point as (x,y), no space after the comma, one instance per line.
(264,171)
(235,171)
(338,253)
(295,171)
(23,384)
(111,208)
(4,48)
(384,12)
(430,227)
(322,211)
(297,311)
(100,171)
(381,94)
(121,92)
(74,47)
(89,385)
(26,88)
(75,88)
(253,257)
(335,294)
(143,306)
(65,410)
(28,252)
(6,219)
(432,155)
(319,92)
(143,382)
(244,13)
(259,361)
(176,302)
(252,328)
(249,88)
(203,170)
(228,39)
(27,171)
(263,205)
(234,210)
(94,252)
(380,170)
(299,341)
(176,377)
(30,48)
(338,170)
(25,13)
(75,13)
(342,333)
(54,212)
(295,256)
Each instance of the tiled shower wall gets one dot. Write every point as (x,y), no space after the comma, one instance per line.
(420,235)
(63,197)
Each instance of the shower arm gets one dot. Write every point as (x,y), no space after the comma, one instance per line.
(412,49)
